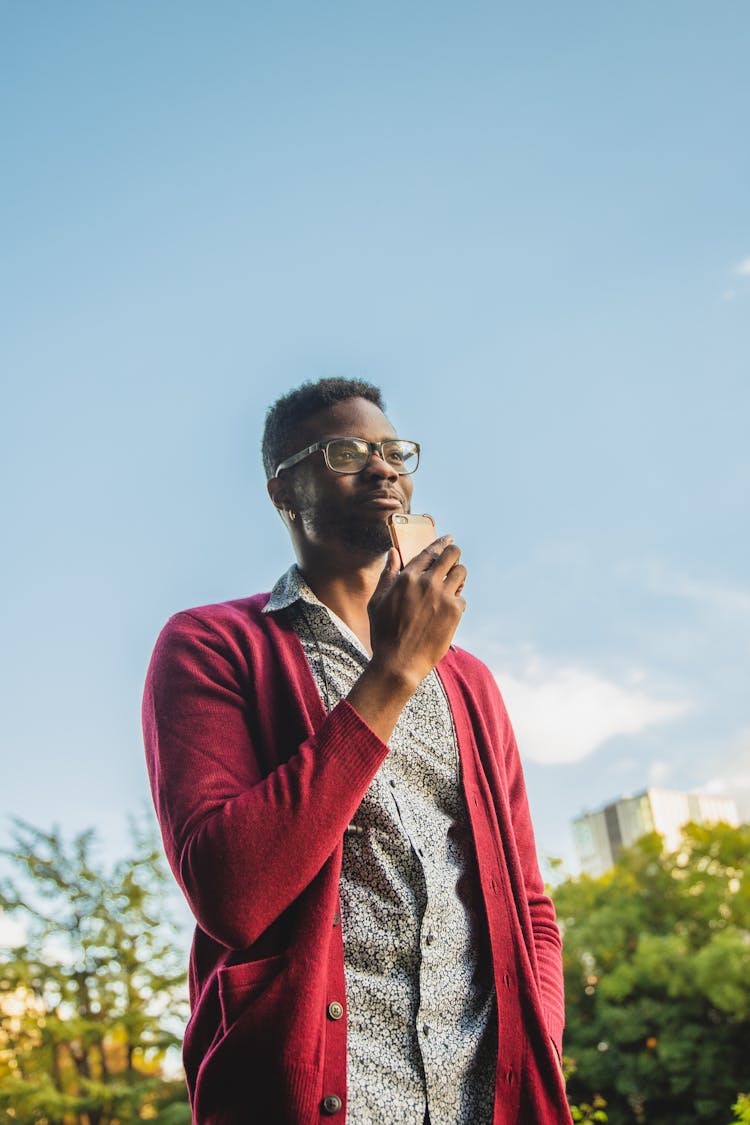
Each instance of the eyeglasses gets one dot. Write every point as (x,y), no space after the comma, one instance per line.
(351,454)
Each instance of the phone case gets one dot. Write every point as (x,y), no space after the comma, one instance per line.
(411,534)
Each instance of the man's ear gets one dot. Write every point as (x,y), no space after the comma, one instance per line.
(278,492)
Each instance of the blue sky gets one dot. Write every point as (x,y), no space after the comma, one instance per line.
(529,224)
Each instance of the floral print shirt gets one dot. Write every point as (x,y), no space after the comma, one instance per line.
(421,1030)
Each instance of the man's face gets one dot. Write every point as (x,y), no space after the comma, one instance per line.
(346,510)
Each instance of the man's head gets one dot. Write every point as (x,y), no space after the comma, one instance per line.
(288,414)
(329,507)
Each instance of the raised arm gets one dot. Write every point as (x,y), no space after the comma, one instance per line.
(251,804)
(253,784)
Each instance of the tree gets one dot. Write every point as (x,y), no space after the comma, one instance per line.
(657,969)
(741,1110)
(92,999)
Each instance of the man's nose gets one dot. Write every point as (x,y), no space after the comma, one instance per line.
(378,466)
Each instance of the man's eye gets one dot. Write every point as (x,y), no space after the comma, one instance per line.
(396,456)
(345,453)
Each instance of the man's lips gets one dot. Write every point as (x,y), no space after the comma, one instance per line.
(388,501)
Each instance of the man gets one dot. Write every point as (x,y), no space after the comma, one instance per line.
(342,803)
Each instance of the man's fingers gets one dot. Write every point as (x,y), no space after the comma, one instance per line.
(442,553)
(390,570)
(444,561)
(455,578)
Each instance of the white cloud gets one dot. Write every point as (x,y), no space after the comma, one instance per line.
(732,773)
(658,772)
(564,714)
(742,269)
(725,786)
(728,599)
(731,600)
(12,933)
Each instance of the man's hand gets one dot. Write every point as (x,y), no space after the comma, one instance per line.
(414,614)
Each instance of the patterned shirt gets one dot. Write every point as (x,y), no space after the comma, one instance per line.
(421,1033)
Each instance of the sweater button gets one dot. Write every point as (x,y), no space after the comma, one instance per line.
(332,1103)
(335,1010)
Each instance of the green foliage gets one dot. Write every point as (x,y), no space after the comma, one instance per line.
(657,969)
(741,1110)
(92,1001)
(587,1113)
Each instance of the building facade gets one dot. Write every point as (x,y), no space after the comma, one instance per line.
(600,836)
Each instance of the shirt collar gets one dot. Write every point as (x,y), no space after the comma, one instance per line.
(292,588)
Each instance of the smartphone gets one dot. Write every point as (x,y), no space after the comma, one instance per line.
(411,534)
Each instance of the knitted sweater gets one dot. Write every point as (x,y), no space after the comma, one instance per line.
(254,786)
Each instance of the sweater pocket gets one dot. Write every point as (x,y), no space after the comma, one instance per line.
(260,1071)
(247,985)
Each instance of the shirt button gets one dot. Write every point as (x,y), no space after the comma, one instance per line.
(428,939)
(337,919)
(392,784)
(332,1103)
(335,1010)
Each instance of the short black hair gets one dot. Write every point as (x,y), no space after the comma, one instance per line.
(288,412)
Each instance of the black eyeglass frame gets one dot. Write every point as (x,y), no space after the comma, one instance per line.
(373,447)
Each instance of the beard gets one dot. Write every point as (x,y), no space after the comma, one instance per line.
(372,538)
(368,537)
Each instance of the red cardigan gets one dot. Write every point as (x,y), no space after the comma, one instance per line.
(254,786)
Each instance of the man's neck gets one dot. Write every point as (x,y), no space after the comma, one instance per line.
(345,591)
